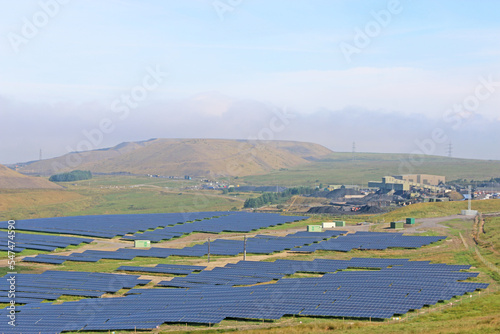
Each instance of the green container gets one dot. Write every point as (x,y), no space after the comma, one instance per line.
(339,223)
(142,243)
(410,221)
(397,225)
(314,228)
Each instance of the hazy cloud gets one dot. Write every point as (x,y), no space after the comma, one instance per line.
(53,128)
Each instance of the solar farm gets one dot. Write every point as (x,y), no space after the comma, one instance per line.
(178,285)
(209,297)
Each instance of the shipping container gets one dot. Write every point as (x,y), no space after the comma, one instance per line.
(397,225)
(339,223)
(142,243)
(314,228)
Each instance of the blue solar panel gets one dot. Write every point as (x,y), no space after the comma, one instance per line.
(52,284)
(371,240)
(164,269)
(165,225)
(260,244)
(39,242)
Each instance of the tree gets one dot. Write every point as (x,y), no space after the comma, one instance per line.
(75,175)
(271,198)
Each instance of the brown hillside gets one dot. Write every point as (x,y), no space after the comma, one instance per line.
(10,179)
(197,157)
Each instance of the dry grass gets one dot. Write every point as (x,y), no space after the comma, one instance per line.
(440,209)
(10,179)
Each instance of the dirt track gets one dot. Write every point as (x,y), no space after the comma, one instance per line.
(426,223)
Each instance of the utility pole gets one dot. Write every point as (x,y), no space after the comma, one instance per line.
(208,250)
(470,197)
(450,150)
(245,248)
(353,159)
(275,181)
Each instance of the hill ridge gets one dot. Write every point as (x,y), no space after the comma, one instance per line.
(186,156)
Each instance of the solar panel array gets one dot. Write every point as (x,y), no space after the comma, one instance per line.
(241,273)
(110,226)
(394,288)
(260,244)
(177,269)
(33,288)
(39,242)
(333,240)
(372,240)
(243,222)
(263,244)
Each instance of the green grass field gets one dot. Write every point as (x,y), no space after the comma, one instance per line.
(440,209)
(340,168)
(105,195)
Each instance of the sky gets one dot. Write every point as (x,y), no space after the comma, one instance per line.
(413,77)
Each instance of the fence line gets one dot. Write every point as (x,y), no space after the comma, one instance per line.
(465,298)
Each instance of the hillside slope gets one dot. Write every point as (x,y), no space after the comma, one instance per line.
(10,179)
(341,168)
(177,157)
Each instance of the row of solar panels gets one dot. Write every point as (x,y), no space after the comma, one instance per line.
(52,284)
(235,222)
(39,242)
(176,269)
(396,288)
(260,244)
(250,272)
(372,240)
(110,226)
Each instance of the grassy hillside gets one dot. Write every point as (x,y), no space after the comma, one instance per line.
(24,204)
(430,210)
(197,157)
(489,241)
(49,166)
(340,168)
(114,195)
(12,199)
(10,179)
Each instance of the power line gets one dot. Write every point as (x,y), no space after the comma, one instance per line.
(353,160)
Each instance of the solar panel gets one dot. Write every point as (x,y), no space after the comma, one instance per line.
(260,244)
(39,242)
(371,240)
(164,226)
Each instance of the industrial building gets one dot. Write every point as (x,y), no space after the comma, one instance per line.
(432,180)
(405,182)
